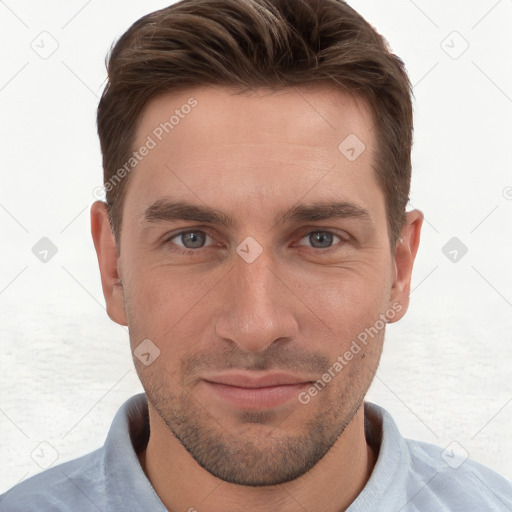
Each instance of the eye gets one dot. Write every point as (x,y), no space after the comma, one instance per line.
(187,242)
(321,239)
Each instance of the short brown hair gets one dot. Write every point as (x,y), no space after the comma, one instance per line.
(248,44)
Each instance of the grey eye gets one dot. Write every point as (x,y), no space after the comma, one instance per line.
(320,239)
(191,239)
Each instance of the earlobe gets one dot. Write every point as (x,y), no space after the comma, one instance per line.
(405,254)
(104,243)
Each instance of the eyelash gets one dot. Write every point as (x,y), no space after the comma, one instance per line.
(192,252)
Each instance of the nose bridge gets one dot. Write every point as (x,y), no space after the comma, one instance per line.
(255,312)
(256,287)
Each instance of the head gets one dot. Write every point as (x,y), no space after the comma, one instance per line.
(257,169)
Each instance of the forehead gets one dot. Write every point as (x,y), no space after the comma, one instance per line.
(220,147)
(312,116)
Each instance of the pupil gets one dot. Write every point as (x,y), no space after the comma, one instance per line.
(325,239)
(193,240)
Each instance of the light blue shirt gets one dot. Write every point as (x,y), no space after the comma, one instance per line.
(409,476)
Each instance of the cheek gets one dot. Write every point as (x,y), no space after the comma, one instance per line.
(165,305)
(168,292)
(348,301)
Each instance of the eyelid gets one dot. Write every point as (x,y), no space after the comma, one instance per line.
(333,231)
(321,231)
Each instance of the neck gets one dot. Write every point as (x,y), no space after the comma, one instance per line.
(330,486)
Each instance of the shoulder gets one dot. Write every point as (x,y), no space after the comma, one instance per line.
(78,484)
(414,476)
(455,482)
(91,482)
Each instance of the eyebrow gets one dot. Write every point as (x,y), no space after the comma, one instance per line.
(164,210)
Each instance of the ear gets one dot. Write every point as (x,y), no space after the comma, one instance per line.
(104,243)
(403,261)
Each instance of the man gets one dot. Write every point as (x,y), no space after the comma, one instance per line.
(255,242)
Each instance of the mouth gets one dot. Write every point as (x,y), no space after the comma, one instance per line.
(255,390)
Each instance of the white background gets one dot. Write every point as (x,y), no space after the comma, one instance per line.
(66,368)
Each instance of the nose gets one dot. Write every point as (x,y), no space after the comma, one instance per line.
(257,305)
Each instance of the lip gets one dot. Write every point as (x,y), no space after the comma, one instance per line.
(261,391)
(256,379)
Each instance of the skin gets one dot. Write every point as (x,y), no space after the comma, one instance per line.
(296,308)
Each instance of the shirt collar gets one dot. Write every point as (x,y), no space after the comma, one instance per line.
(392,465)
(127,487)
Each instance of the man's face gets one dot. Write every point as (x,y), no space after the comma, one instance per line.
(223,314)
